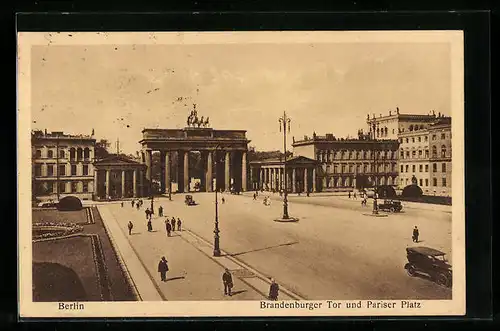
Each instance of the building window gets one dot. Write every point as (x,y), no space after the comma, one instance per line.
(426,182)
(402,181)
(72,154)
(420,154)
(85,169)
(443,151)
(38,153)
(425,138)
(350,168)
(443,136)
(433,137)
(419,139)
(38,170)
(62,187)
(62,170)
(434,167)
(50,170)
(350,155)
(421,182)
(73,170)
(50,154)
(343,168)
(420,168)
(402,168)
(407,140)
(413,154)
(392,131)
(434,151)
(393,168)
(407,167)
(62,154)
(335,169)
(434,182)
(443,182)
(443,167)
(365,168)
(364,155)
(402,154)
(408,154)
(426,168)
(412,140)
(86,153)
(413,168)
(79,154)
(426,153)
(85,187)
(74,187)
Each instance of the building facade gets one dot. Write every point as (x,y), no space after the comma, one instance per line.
(62,165)
(440,157)
(347,164)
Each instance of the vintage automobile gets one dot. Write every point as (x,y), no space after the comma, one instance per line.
(189,200)
(47,204)
(430,261)
(390,205)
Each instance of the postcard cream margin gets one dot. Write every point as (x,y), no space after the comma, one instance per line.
(28,308)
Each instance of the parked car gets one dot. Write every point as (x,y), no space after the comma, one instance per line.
(429,261)
(391,205)
(189,200)
(47,204)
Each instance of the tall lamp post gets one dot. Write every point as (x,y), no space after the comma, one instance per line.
(216,228)
(375,168)
(284,127)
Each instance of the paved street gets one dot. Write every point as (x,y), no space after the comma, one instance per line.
(333,252)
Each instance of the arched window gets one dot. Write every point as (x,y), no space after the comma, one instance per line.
(386,131)
(364,155)
(50,154)
(443,151)
(419,153)
(72,154)
(62,154)
(79,153)
(86,153)
(410,128)
(434,151)
(350,155)
(38,153)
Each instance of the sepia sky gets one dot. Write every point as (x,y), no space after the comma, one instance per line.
(118,90)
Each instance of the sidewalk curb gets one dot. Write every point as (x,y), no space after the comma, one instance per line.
(258,274)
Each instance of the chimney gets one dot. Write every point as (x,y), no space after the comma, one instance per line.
(390,113)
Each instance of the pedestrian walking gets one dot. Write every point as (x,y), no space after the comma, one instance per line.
(168,227)
(179,224)
(349,194)
(355,196)
(148,213)
(415,234)
(223,200)
(137,204)
(274,290)
(130,227)
(307,193)
(255,196)
(227,280)
(132,203)
(150,225)
(163,268)
(160,211)
(172,223)
(121,204)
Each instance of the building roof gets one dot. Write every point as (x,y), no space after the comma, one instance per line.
(117,160)
(38,134)
(294,160)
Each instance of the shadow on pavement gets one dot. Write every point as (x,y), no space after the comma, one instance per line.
(238,292)
(262,249)
(175,278)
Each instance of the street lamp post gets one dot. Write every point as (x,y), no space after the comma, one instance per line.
(285,124)
(375,207)
(216,228)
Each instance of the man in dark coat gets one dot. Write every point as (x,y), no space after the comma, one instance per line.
(163,268)
(132,202)
(150,225)
(227,280)
(415,235)
(147,213)
(179,224)
(349,194)
(172,223)
(168,227)
(273,290)
(130,227)
(121,204)
(160,211)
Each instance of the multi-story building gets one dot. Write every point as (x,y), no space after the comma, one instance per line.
(440,157)
(350,163)
(393,124)
(425,153)
(62,165)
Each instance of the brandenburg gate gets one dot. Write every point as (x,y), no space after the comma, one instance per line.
(223,155)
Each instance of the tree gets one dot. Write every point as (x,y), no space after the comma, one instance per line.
(101,149)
